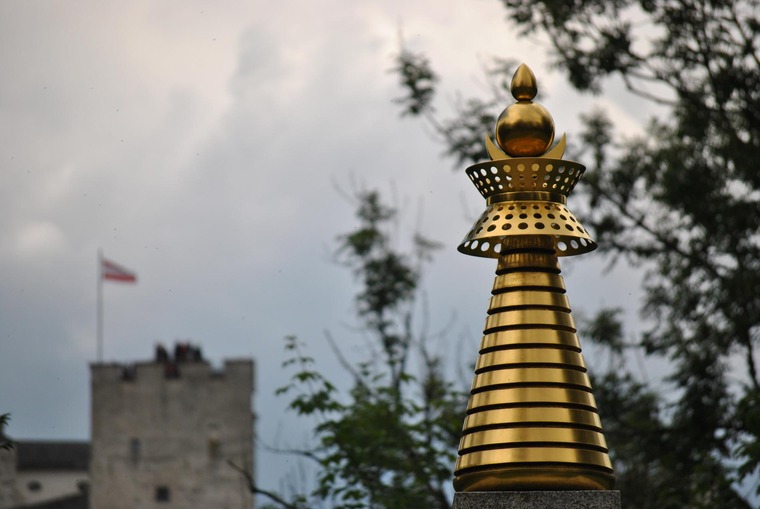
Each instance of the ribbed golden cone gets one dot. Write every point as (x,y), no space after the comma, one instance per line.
(532,421)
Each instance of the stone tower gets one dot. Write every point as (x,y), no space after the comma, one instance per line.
(164,434)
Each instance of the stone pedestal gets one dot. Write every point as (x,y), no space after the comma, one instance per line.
(537,500)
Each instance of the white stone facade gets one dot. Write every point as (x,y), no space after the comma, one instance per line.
(163,438)
(37,487)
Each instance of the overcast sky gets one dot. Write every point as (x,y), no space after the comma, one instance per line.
(201,144)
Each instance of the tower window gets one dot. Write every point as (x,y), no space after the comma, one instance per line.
(163,494)
(134,449)
(213,448)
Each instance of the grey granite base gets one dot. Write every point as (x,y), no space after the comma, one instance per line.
(537,500)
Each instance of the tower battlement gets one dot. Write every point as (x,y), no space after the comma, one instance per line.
(148,372)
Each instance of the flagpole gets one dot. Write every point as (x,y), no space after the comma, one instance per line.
(100,307)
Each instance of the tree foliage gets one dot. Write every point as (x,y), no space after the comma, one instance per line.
(5,444)
(683,203)
(391,441)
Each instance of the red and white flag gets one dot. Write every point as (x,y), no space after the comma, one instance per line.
(114,272)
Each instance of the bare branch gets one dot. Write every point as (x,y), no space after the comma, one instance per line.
(341,358)
(274,497)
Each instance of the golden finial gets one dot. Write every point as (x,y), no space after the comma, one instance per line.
(524,129)
(524,84)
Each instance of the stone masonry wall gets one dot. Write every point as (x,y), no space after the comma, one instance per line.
(9,495)
(160,442)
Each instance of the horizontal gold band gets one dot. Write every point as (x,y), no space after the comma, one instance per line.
(530,337)
(530,356)
(530,317)
(528,279)
(531,395)
(527,196)
(530,375)
(523,260)
(529,298)
(512,437)
(533,416)
(533,455)
(534,477)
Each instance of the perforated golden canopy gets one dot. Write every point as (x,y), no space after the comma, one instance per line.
(526,197)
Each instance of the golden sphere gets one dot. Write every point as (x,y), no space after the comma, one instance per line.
(525,129)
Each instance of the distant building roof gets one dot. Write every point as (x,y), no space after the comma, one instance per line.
(52,455)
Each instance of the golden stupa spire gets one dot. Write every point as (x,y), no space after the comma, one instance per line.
(532,421)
